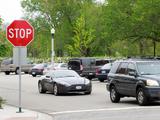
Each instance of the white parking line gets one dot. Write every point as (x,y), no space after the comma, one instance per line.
(105,109)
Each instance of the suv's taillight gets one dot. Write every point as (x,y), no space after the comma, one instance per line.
(81,67)
(97,71)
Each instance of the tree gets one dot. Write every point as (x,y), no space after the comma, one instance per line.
(83,39)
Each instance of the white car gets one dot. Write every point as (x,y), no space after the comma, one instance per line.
(56,66)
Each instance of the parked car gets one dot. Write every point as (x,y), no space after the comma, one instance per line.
(86,66)
(56,66)
(64,81)
(102,73)
(135,78)
(38,69)
(8,67)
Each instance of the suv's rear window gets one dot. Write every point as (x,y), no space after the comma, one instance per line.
(74,65)
(114,67)
(101,62)
(122,68)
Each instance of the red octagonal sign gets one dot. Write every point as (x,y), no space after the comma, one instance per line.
(20,33)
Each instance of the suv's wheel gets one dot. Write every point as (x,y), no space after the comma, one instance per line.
(7,72)
(40,88)
(114,95)
(34,75)
(101,80)
(55,90)
(141,97)
(17,71)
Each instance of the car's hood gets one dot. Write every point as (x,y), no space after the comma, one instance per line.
(71,80)
(152,77)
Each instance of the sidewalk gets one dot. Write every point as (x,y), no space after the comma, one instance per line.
(9,113)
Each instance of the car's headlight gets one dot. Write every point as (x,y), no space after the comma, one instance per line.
(152,83)
(87,81)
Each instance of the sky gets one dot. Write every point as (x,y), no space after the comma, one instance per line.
(11,10)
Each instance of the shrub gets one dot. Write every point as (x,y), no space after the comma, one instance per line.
(2,101)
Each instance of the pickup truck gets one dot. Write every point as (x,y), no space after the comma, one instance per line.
(8,67)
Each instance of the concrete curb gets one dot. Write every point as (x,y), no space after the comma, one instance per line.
(10,113)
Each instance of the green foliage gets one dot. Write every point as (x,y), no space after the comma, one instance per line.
(2,101)
(83,39)
(85,28)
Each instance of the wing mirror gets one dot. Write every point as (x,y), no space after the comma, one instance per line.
(48,76)
(132,73)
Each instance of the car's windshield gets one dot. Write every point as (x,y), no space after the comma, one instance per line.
(65,73)
(148,68)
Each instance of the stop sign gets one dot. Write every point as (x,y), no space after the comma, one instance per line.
(20,33)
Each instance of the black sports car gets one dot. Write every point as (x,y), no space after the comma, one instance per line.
(64,81)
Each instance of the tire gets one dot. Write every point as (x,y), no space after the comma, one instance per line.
(7,72)
(101,80)
(87,93)
(41,88)
(17,71)
(34,75)
(114,95)
(90,77)
(26,72)
(141,97)
(55,90)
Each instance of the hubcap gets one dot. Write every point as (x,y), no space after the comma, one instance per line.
(140,97)
(55,89)
(113,94)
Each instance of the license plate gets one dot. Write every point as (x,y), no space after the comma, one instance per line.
(90,73)
(103,71)
(33,73)
(78,87)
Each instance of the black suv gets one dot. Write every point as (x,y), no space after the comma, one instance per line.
(135,78)
(87,67)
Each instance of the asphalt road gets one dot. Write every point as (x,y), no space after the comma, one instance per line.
(96,106)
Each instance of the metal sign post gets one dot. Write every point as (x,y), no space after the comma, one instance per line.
(20,33)
(20,81)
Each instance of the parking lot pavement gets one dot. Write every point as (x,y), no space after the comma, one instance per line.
(10,113)
(96,106)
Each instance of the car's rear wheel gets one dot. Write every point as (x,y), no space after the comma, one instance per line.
(101,80)
(40,88)
(114,95)
(17,71)
(34,75)
(7,72)
(55,90)
(141,97)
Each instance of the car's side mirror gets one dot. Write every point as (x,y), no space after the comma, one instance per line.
(48,77)
(132,73)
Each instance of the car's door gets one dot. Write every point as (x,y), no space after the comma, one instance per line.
(48,81)
(120,78)
(131,81)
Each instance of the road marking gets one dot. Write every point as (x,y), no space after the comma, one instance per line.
(105,109)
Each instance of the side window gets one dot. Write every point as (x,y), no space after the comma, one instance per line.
(114,67)
(122,68)
(131,68)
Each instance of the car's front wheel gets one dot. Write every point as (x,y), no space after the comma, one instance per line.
(55,90)
(114,95)
(141,97)
(34,75)
(7,72)
(40,88)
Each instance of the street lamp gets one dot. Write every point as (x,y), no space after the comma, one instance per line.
(52,46)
